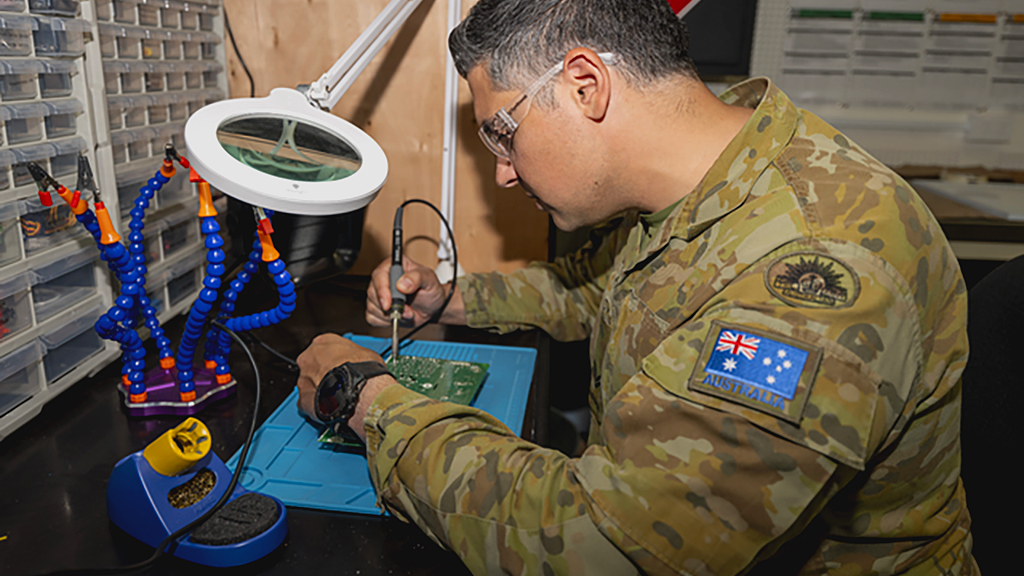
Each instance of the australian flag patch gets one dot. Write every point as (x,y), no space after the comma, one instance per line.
(761,370)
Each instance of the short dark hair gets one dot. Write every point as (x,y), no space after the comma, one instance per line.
(519,39)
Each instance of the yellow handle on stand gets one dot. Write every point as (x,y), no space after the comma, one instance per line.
(180,448)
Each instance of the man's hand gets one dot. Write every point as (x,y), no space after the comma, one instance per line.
(326,352)
(425,295)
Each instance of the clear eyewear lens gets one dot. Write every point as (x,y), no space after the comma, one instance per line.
(497,136)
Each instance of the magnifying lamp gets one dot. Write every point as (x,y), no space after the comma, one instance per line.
(287,152)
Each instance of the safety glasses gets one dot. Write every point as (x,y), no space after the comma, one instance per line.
(498,130)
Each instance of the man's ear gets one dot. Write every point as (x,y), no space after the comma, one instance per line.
(590,82)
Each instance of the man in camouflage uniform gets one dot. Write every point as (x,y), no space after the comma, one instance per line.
(775,354)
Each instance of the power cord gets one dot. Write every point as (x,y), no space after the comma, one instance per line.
(231,36)
(172,539)
(397,256)
(397,247)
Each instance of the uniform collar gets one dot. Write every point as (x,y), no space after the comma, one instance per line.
(727,184)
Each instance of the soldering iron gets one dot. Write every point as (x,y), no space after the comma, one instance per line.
(398,300)
(396,271)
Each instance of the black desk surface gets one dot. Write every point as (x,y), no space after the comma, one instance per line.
(54,469)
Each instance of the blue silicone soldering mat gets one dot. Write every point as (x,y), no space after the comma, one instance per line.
(287,461)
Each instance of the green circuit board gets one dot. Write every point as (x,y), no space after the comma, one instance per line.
(445,380)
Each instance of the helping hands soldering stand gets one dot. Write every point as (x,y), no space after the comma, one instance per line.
(175,386)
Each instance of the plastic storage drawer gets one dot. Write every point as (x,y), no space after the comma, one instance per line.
(10,245)
(190,17)
(166,135)
(184,282)
(170,13)
(157,298)
(60,158)
(16,35)
(140,148)
(156,78)
(178,190)
(64,161)
(129,145)
(206,18)
(108,34)
(209,45)
(40,154)
(130,179)
(152,43)
(23,122)
(60,37)
(124,77)
(124,11)
(119,145)
(12,5)
(211,75)
(64,283)
(191,48)
(45,227)
(7,159)
(54,7)
(149,14)
(70,345)
(174,45)
(177,108)
(18,79)
(181,232)
(129,42)
(55,79)
(157,108)
(20,376)
(15,310)
(104,9)
(62,119)
(193,75)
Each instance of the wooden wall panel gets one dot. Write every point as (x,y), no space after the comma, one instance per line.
(398,100)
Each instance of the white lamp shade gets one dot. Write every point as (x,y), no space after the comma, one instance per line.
(282,153)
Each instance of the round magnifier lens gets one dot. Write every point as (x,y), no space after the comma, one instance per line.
(289,148)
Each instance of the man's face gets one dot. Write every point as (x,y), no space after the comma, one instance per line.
(550,158)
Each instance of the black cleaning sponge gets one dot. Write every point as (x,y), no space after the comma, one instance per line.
(245,517)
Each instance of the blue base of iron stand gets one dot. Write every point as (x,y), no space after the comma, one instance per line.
(137,503)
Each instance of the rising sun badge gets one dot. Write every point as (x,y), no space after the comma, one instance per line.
(813,280)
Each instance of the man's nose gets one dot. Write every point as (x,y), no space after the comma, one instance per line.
(505,173)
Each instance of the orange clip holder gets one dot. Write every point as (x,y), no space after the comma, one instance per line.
(168,169)
(269,252)
(108,235)
(206,208)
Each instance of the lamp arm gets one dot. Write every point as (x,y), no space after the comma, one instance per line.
(325,92)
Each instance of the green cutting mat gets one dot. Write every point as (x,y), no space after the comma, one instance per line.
(445,380)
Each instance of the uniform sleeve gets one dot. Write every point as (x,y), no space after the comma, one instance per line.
(690,475)
(561,297)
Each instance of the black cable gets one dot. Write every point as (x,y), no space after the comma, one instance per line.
(455,271)
(171,539)
(291,363)
(231,36)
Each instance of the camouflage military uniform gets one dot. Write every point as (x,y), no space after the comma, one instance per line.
(797,242)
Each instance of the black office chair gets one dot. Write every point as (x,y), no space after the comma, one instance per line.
(993,398)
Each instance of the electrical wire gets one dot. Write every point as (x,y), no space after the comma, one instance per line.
(172,539)
(455,270)
(231,36)
(293,366)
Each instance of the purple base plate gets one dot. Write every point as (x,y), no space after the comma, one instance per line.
(162,395)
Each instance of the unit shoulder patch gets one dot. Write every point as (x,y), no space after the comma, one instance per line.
(812,280)
(762,370)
